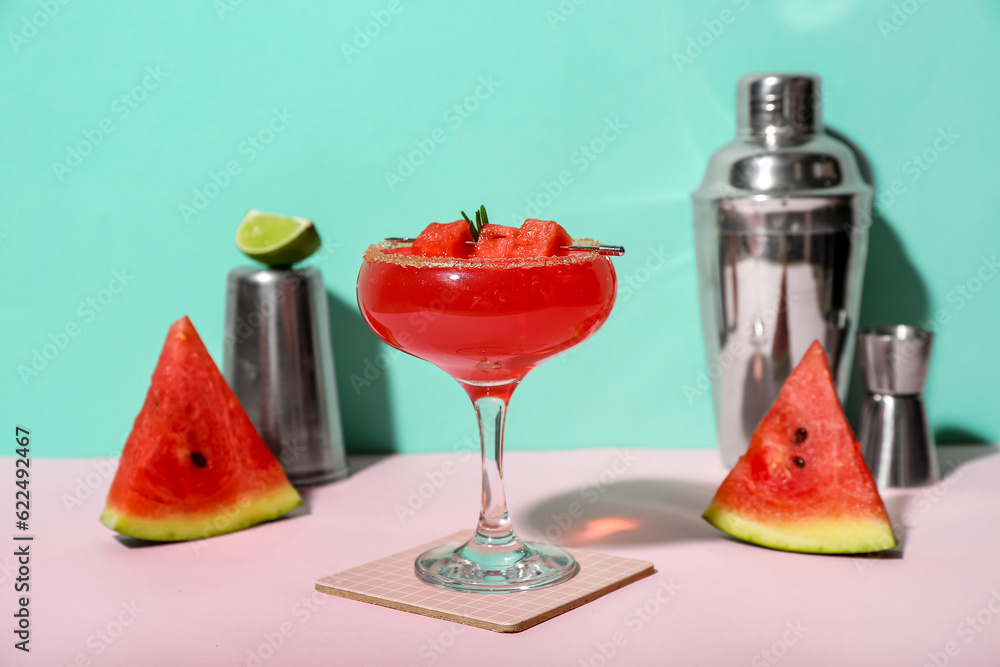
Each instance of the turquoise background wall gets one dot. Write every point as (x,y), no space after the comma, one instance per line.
(133,137)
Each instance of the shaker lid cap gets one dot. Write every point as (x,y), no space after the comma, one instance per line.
(779,104)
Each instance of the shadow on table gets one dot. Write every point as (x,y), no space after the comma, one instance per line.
(907,507)
(953,456)
(896,507)
(638,511)
(358,462)
(136,543)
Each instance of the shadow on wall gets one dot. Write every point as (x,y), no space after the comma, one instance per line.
(894,291)
(363,388)
(949,434)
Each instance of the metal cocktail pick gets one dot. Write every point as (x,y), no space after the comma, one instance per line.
(615,250)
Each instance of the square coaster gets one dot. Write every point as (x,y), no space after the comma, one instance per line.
(391,582)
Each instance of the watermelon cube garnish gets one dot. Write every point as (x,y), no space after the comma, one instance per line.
(450,239)
(540,238)
(468,238)
(495,242)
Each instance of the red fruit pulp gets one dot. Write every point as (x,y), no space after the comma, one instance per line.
(495,241)
(452,239)
(540,238)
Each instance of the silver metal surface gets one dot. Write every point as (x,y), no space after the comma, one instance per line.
(895,360)
(781,222)
(615,250)
(895,437)
(278,359)
(778,104)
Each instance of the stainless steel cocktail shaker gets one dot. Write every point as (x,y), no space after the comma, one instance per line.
(278,359)
(781,222)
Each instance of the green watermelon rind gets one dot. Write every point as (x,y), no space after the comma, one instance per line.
(244,514)
(849,535)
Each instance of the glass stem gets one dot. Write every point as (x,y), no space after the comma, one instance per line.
(494,522)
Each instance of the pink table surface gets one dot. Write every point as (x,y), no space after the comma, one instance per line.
(248,598)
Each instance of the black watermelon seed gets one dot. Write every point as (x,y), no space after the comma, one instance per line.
(800,436)
(198,459)
(799,461)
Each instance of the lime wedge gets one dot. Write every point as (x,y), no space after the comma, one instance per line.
(276,240)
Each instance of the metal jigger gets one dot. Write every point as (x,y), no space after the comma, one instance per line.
(278,359)
(894,434)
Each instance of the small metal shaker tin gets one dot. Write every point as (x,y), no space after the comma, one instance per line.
(781,222)
(278,359)
(894,434)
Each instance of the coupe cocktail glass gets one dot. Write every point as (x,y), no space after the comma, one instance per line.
(487,322)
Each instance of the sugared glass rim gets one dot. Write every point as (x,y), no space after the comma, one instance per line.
(374,254)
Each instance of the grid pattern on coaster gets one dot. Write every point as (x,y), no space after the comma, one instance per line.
(391,582)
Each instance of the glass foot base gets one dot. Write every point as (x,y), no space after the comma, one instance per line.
(495,568)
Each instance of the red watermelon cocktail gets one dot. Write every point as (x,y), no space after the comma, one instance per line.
(487,303)
(484,321)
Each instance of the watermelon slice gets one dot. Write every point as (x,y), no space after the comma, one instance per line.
(438,239)
(495,241)
(193,465)
(803,484)
(540,238)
